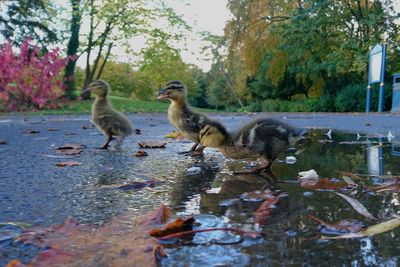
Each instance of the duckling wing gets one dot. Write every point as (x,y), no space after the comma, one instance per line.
(118,123)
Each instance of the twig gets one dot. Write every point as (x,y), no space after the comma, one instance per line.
(241,232)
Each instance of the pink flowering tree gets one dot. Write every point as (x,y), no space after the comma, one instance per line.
(30,81)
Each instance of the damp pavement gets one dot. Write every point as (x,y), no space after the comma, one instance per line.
(34,190)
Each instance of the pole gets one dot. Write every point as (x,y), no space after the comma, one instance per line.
(382,84)
(368,106)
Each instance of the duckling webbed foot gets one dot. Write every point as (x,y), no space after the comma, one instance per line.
(108,140)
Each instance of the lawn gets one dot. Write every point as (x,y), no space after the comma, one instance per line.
(124,105)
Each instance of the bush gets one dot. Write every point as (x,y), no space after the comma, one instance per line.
(28,81)
(276,105)
(351,98)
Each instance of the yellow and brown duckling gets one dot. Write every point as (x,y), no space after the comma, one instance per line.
(105,117)
(262,138)
(182,116)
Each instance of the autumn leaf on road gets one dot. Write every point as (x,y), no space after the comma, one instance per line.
(141,153)
(71,149)
(68,164)
(152,144)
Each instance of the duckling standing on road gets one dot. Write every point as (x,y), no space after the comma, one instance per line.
(182,116)
(105,117)
(263,138)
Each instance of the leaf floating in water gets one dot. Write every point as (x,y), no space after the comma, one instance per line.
(360,208)
(341,227)
(323,184)
(370,231)
(388,187)
(141,153)
(349,181)
(261,214)
(123,241)
(152,144)
(179,225)
(68,164)
(258,195)
(71,149)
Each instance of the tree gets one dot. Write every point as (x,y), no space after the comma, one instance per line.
(72,48)
(21,19)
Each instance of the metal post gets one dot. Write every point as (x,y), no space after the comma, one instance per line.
(368,106)
(382,84)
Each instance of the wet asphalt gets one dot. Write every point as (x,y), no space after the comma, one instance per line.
(34,190)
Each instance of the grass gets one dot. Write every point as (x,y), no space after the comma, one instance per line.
(124,105)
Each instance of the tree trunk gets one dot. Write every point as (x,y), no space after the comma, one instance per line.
(72,49)
(105,61)
(86,94)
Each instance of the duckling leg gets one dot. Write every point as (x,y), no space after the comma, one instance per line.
(266,166)
(195,150)
(108,140)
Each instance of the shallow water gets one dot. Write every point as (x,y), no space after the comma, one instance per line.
(33,190)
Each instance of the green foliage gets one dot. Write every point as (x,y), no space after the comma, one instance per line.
(351,98)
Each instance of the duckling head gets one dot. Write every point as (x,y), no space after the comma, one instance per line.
(213,134)
(100,88)
(174,91)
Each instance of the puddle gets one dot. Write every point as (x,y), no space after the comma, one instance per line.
(44,195)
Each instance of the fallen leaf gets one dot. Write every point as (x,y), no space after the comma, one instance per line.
(71,149)
(124,241)
(152,144)
(68,164)
(91,126)
(31,131)
(53,129)
(341,227)
(349,181)
(258,195)
(141,153)
(360,208)
(15,263)
(392,186)
(370,231)
(179,225)
(69,133)
(261,214)
(323,184)
(175,135)
(137,131)
(350,174)
(3,142)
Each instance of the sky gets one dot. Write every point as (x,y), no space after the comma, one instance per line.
(202,15)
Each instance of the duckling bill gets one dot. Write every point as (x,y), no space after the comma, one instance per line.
(263,138)
(105,117)
(182,116)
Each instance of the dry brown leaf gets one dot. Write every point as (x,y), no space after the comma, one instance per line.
(3,141)
(261,214)
(323,184)
(31,131)
(152,144)
(53,129)
(71,149)
(341,227)
(141,153)
(360,208)
(68,164)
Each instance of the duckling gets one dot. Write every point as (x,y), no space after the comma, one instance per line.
(183,117)
(263,138)
(105,117)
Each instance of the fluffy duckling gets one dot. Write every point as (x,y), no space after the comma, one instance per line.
(263,138)
(105,117)
(182,116)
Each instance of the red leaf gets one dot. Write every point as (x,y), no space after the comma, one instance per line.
(179,225)
(261,214)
